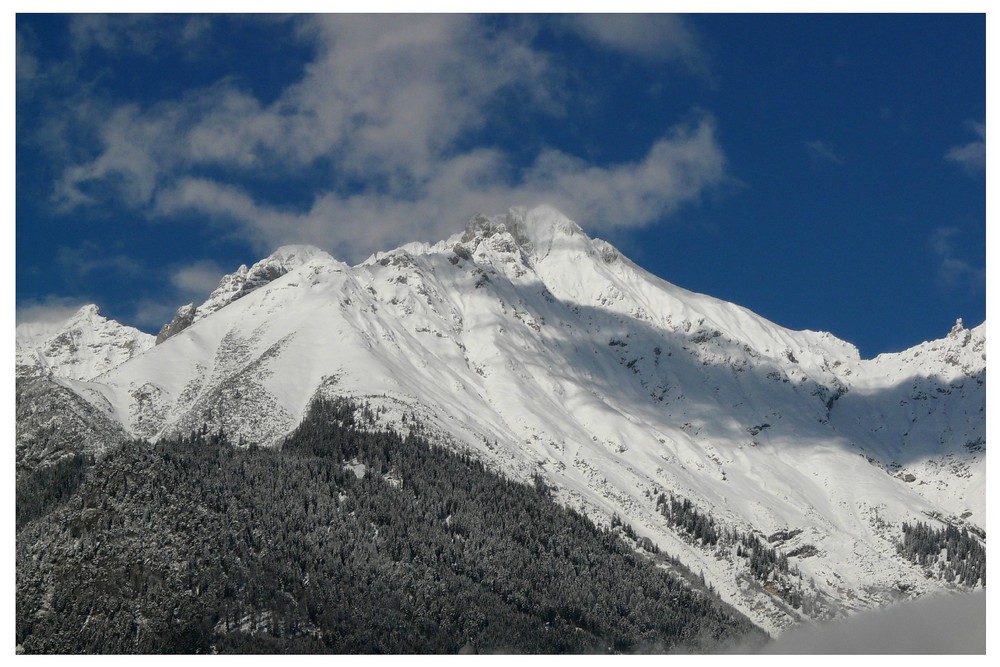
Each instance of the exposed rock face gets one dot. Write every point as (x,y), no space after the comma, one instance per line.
(182,320)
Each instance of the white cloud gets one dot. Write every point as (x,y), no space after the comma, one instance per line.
(678,169)
(656,37)
(231,128)
(50,310)
(972,156)
(386,96)
(228,202)
(395,92)
(137,33)
(137,148)
(822,150)
(197,279)
(188,283)
(195,28)
(953,271)
(390,103)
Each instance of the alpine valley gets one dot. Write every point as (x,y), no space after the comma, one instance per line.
(775,468)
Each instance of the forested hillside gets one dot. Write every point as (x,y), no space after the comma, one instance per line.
(343,541)
(952,554)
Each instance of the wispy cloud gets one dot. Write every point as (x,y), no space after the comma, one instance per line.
(151,314)
(952,270)
(393,104)
(26,61)
(822,150)
(141,34)
(677,170)
(197,279)
(656,37)
(972,156)
(49,310)
(88,258)
(188,283)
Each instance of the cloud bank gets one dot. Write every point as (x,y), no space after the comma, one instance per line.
(52,310)
(390,119)
(941,624)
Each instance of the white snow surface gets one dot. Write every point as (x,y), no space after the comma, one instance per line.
(79,348)
(244,280)
(541,350)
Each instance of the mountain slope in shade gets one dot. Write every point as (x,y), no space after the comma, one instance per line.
(546,352)
(54,422)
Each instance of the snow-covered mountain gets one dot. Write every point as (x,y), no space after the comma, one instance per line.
(544,351)
(52,420)
(239,284)
(80,348)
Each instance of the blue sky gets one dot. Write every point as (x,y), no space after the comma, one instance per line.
(825,171)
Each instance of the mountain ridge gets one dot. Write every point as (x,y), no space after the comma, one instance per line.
(542,351)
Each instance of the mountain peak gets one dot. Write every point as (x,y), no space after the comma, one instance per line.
(534,230)
(545,225)
(80,347)
(183,318)
(33,331)
(90,311)
(278,263)
(294,254)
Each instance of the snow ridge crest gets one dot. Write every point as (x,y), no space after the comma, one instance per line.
(244,280)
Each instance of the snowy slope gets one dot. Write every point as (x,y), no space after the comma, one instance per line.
(80,348)
(238,284)
(545,351)
(920,414)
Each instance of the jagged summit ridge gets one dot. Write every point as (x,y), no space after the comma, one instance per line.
(545,352)
(543,245)
(533,230)
(241,282)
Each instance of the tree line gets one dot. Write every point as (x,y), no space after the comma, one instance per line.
(764,563)
(954,555)
(346,540)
